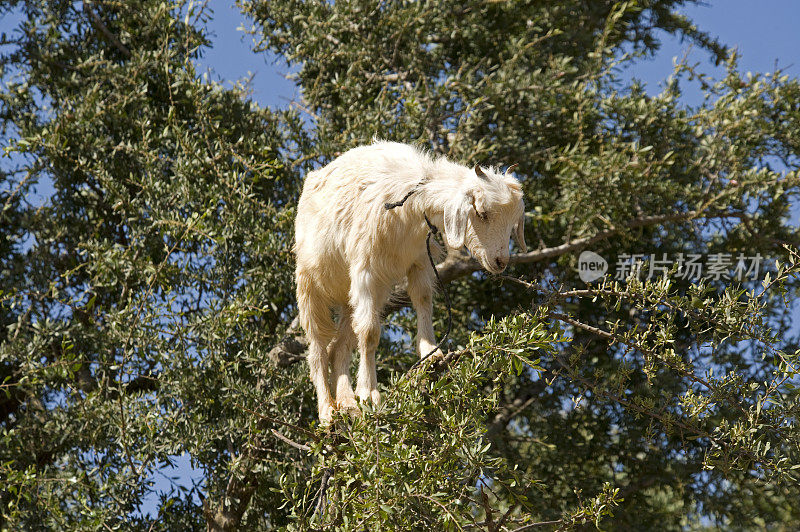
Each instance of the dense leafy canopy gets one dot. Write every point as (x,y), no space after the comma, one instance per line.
(146,306)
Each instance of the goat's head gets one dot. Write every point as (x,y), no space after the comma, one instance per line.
(483,214)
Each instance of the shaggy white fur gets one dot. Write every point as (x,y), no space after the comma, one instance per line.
(351,251)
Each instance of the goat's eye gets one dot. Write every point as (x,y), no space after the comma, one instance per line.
(482,215)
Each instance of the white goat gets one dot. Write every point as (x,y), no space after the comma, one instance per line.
(351,251)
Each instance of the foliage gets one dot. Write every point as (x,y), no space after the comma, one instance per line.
(151,276)
(139,301)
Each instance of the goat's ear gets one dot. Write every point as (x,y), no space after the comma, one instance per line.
(456,213)
(519,233)
(478,200)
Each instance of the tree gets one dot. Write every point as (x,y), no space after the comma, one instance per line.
(141,300)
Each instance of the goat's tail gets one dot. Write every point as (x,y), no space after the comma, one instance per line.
(313,309)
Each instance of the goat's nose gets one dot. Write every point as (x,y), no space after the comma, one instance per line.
(500,263)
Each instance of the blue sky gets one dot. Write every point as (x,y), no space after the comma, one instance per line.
(231,58)
(765,33)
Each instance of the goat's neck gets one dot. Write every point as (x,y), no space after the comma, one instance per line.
(423,205)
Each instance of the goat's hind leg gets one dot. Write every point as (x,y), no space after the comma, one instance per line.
(340,353)
(315,317)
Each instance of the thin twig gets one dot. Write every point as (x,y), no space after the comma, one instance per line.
(323,488)
(278,421)
(98,23)
(301,446)
(442,506)
(535,525)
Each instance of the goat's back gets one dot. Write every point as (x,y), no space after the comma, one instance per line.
(341,218)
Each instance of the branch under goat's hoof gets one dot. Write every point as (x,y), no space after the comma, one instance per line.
(436,355)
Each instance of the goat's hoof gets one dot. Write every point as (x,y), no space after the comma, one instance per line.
(372,396)
(349,405)
(375,397)
(326,414)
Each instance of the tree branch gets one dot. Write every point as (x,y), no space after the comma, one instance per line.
(290,349)
(102,28)
(525,396)
(454,267)
(300,446)
(228,514)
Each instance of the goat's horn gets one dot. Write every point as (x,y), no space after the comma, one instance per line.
(480,173)
(508,170)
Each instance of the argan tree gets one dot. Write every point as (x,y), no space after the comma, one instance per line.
(147,303)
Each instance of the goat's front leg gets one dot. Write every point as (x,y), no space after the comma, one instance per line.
(367,297)
(420,290)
